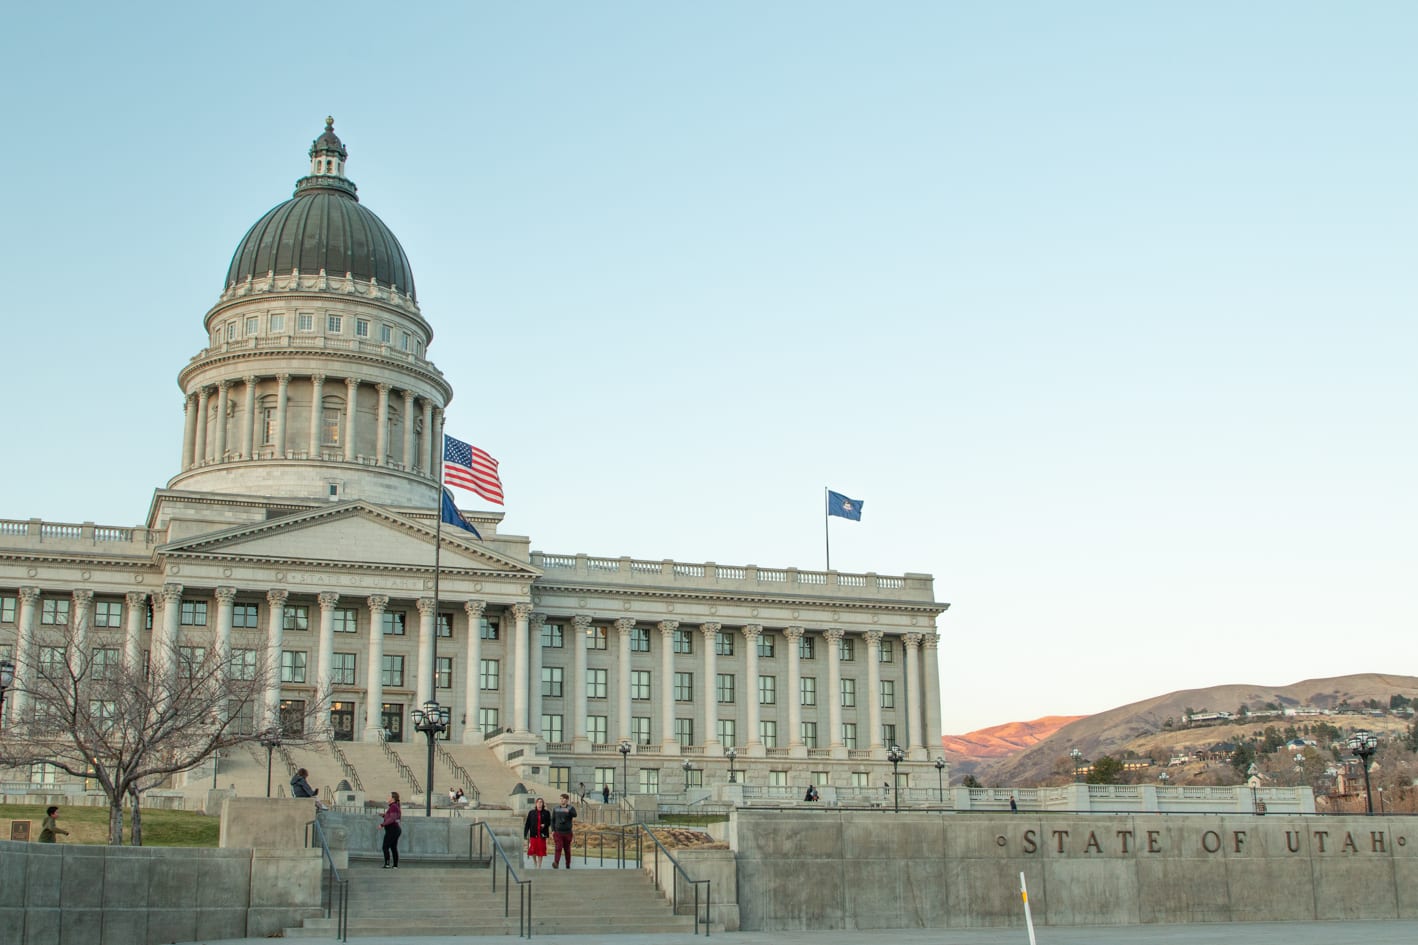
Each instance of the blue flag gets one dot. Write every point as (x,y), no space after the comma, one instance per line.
(838,504)
(451,516)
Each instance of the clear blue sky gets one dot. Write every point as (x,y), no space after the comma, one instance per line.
(1106,310)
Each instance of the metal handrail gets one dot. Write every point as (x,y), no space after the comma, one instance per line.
(458,771)
(405,771)
(314,831)
(524,886)
(345,765)
(643,830)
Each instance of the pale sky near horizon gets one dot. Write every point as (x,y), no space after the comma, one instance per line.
(1105,310)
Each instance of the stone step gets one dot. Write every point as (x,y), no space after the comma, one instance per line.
(541,925)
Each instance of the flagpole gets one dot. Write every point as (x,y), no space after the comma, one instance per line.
(826,531)
(437,570)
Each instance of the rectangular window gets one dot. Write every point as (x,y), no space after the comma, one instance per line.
(551,683)
(605,776)
(684,732)
(7,609)
(724,644)
(596,729)
(108,613)
(445,626)
(278,322)
(768,733)
(887,654)
(596,638)
(393,671)
(809,690)
(333,324)
(595,684)
(346,620)
(244,617)
(859,779)
(640,729)
(684,641)
(649,780)
(809,734)
(849,693)
(194,613)
(487,674)
(728,733)
(105,662)
(807,647)
(394,623)
(777,779)
(386,334)
(189,658)
(765,644)
(888,733)
(639,685)
(253,324)
(551,728)
(54,612)
(292,666)
(342,669)
(304,321)
(488,629)
(51,661)
(268,426)
(640,639)
(552,635)
(487,722)
(361,328)
(297,616)
(767,690)
(404,340)
(231,331)
(243,665)
(888,694)
(330,424)
(684,687)
(849,734)
(724,688)
(847,649)
(443,673)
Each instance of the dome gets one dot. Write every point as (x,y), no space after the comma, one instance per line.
(323,227)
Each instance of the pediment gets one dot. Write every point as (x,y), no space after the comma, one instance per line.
(350,535)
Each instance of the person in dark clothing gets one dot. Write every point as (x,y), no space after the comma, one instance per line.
(811,794)
(390,825)
(50,827)
(605,793)
(300,786)
(562,817)
(535,829)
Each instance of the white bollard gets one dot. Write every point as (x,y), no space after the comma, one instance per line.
(1028,916)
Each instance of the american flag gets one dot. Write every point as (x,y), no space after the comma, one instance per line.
(468,467)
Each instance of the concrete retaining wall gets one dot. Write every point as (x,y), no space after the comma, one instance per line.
(830,869)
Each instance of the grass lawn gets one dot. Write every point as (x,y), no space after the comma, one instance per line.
(161,828)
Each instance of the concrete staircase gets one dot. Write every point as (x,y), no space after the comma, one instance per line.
(423,900)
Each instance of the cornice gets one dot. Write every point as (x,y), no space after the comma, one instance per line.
(69,558)
(934,608)
(312,564)
(250,356)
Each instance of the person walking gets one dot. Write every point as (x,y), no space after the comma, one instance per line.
(1013,805)
(50,827)
(605,793)
(390,825)
(562,818)
(581,792)
(535,829)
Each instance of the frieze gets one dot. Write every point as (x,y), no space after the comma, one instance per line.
(357,580)
(1209,842)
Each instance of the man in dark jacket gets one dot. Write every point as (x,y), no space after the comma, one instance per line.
(300,787)
(562,816)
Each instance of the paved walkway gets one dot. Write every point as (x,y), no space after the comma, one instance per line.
(1221,933)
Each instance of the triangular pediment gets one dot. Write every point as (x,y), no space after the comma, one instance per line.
(350,535)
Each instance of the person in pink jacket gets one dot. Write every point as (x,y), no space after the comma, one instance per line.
(391,828)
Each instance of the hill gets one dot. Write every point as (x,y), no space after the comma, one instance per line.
(969,752)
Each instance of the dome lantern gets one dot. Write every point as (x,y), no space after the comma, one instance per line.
(327,153)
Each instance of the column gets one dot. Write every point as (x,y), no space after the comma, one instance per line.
(534,674)
(374,671)
(225,597)
(199,448)
(710,739)
(80,619)
(275,639)
(874,690)
(351,408)
(323,675)
(408,430)
(472,679)
(189,429)
(164,655)
(914,740)
(428,455)
(381,434)
(522,612)
(24,643)
(317,394)
(833,638)
(423,680)
(581,625)
(435,442)
(792,639)
(248,427)
(135,616)
(668,743)
(931,668)
(223,399)
(751,633)
(282,396)
(623,626)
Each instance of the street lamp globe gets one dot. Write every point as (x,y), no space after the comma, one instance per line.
(731,753)
(624,748)
(1364,745)
(940,777)
(432,720)
(895,755)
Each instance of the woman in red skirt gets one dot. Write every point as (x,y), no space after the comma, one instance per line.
(536,829)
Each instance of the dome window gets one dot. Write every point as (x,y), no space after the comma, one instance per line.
(334,324)
(361,328)
(304,321)
(253,324)
(231,331)
(386,334)
(278,323)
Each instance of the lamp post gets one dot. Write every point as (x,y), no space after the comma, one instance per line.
(688,766)
(432,720)
(731,754)
(895,755)
(1381,802)
(1253,779)
(7,679)
(940,777)
(1163,777)
(1077,757)
(1363,745)
(624,750)
(270,741)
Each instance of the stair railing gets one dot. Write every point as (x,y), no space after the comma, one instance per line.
(510,877)
(340,906)
(351,774)
(405,771)
(458,771)
(641,831)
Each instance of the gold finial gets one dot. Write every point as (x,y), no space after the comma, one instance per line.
(329,122)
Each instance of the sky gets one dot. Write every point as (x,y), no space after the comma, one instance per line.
(1104,310)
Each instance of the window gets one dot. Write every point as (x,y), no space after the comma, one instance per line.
(231,331)
(330,423)
(393,671)
(807,647)
(821,777)
(551,683)
(859,779)
(640,729)
(605,776)
(849,693)
(54,612)
(728,733)
(51,660)
(809,734)
(43,773)
(596,638)
(849,734)
(385,334)
(103,663)
(553,635)
(640,639)
(765,645)
(847,649)
(304,321)
(342,669)
(244,616)
(596,729)
(488,629)
(268,426)
(361,328)
(684,641)
(777,779)
(808,690)
(684,732)
(108,613)
(724,688)
(334,324)
(551,728)
(194,613)
(639,685)
(243,664)
(768,733)
(684,687)
(293,666)
(443,673)
(7,609)
(278,323)
(487,721)
(724,643)
(888,733)
(767,690)
(649,780)
(887,654)
(445,626)
(404,340)
(346,620)
(595,684)
(888,694)
(487,674)
(297,617)
(253,324)
(104,713)
(394,623)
